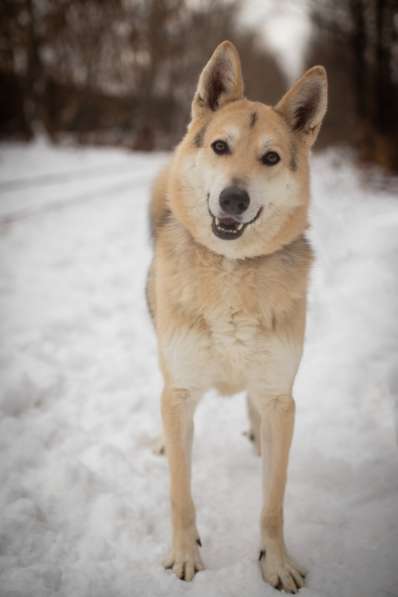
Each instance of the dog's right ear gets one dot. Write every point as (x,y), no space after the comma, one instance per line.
(304,105)
(220,81)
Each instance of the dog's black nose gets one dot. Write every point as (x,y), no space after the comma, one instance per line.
(234,201)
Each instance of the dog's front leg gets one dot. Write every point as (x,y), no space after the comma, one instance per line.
(277,421)
(178,407)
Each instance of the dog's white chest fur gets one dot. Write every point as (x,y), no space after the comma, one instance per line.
(223,347)
(233,334)
(232,328)
(228,340)
(233,337)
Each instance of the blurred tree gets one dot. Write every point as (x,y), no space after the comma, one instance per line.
(178,39)
(357,41)
(121,71)
(18,63)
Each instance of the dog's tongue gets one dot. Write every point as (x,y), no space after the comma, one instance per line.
(228,222)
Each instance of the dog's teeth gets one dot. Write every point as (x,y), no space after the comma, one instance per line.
(240,226)
(217,222)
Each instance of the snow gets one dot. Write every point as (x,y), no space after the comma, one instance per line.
(83,500)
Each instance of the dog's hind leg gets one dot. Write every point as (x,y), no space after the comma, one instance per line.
(158,446)
(254,433)
(178,406)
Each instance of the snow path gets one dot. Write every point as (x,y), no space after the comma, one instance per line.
(84,507)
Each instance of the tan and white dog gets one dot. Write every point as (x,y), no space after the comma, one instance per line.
(227,285)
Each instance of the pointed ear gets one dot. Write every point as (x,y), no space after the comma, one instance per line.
(304,105)
(220,81)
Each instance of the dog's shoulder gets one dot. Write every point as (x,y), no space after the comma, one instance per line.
(159,211)
(282,280)
(293,257)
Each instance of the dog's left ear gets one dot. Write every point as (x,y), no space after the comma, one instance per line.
(220,81)
(305,104)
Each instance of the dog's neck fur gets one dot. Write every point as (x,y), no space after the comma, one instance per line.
(187,242)
(196,279)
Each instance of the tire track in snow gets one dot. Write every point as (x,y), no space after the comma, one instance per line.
(99,192)
(51,178)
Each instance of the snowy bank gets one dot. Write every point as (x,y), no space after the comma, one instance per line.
(83,500)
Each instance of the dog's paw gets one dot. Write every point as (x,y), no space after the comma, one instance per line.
(185,562)
(158,446)
(281,572)
(251,436)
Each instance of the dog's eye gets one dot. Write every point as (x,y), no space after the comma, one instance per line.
(270,158)
(220,147)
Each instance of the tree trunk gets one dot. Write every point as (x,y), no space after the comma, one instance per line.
(358,42)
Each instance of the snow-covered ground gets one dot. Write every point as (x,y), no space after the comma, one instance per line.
(84,509)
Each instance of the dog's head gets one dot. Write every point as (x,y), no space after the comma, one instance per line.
(240,180)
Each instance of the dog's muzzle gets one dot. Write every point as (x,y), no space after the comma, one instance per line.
(233,202)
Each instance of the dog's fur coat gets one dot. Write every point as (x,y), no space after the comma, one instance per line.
(229,312)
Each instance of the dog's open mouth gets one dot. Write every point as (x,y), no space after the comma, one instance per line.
(228,228)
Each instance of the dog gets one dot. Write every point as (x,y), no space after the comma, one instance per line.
(227,285)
